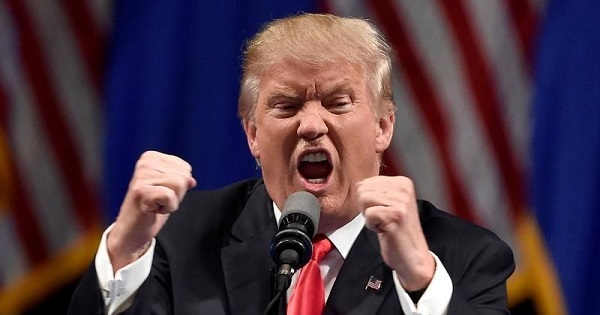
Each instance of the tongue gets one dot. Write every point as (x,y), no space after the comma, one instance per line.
(313,170)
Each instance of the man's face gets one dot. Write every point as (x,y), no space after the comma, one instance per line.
(316,129)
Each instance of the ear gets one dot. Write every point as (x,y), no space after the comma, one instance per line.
(385,130)
(250,129)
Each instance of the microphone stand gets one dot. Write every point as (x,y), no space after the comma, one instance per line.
(283,279)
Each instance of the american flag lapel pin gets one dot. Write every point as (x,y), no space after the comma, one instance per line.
(373,283)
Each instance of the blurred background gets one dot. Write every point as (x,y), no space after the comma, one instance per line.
(498,122)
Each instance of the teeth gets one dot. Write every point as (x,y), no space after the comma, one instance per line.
(316,180)
(314,157)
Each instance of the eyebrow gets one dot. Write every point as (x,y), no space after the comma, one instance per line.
(342,87)
(282,90)
(288,91)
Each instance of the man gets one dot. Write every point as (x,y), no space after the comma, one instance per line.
(316,106)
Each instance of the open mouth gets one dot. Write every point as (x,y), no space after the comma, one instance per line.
(315,167)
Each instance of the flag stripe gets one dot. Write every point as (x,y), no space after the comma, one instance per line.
(42,184)
(524,18)
(13,259)
(391,165)
(487,104)
(60,137)
(101,12)
(325,6)
(496,34)
(26,225)
(434,44)
(72,84)
(88,35)
(426,98)
(497,40)
(413,146)
(3,104)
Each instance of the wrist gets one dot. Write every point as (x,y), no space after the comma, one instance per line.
(123,250)
(418,277)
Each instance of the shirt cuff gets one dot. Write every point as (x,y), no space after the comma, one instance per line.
(118,289)
(436,297)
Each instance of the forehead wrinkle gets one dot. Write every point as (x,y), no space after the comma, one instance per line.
(293,89)
(280,89)
(344,86)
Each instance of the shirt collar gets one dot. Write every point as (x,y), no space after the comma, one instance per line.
(342,238)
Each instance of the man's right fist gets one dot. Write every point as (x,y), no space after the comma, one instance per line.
(159,183)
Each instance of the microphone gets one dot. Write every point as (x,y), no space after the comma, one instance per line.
(291,247)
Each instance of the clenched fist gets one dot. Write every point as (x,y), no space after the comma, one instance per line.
(390,209)
(159,183)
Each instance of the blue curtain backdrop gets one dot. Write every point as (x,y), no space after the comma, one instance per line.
(172,85)
(566,148)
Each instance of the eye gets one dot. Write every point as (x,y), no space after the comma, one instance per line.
(284,109)
(339,104)
(284,106)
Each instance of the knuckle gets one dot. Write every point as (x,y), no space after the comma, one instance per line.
(171,195)
(142,163)
(149,154)
(137,189)
(406,182)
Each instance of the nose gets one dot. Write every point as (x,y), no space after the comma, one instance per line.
(312,123)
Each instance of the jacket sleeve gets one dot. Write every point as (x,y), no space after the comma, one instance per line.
(481,287)
(87,297)
(153,297)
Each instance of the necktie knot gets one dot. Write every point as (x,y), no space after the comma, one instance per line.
(321,247)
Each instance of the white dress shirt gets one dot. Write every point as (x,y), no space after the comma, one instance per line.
(119,290)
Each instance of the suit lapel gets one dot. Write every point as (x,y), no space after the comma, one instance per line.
(348,295)
(246,260)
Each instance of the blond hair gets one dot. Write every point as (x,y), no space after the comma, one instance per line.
(315,39)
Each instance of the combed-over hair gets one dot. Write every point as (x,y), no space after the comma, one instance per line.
(314,40)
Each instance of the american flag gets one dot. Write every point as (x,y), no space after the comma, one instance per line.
(51,61)
(463,87)
(373,283)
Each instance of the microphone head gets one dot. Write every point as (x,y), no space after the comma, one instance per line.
(292,245)
(302,211)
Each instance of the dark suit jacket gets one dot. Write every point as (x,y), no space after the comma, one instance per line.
(212,257)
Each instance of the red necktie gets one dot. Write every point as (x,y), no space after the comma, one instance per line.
(308,297)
